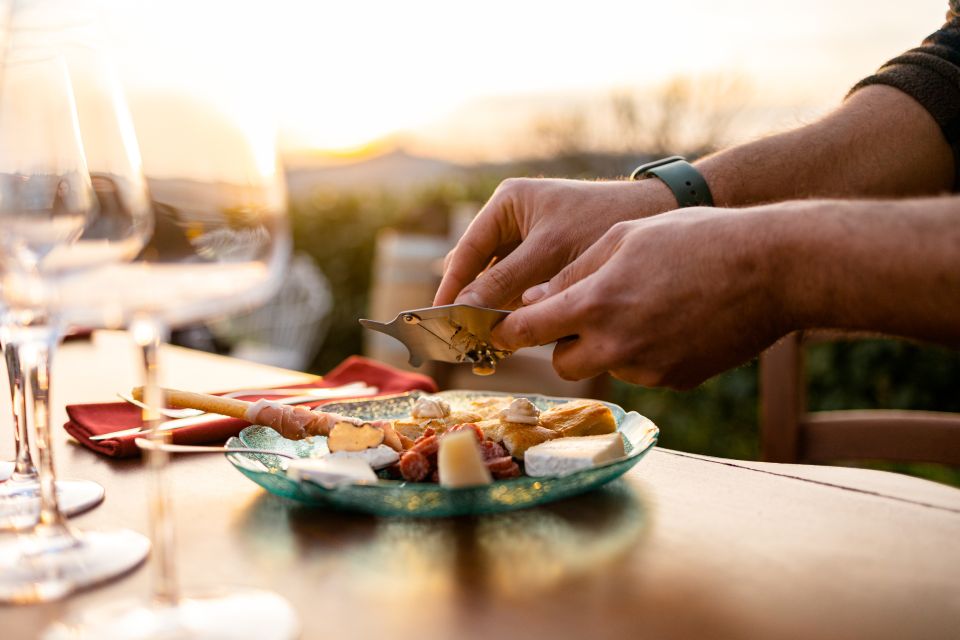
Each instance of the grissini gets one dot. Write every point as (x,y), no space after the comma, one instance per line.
(293,422)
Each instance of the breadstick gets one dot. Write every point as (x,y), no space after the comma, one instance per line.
(294,422)
(202,401)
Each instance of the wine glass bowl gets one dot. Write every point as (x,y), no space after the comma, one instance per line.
(46,196)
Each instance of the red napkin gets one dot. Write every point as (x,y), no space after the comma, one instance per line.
(88,420)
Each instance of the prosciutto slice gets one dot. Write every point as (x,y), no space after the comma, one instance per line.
(295,422)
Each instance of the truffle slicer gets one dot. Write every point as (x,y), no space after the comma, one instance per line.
(448,333)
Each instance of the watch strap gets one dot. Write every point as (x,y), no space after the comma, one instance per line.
(687,184)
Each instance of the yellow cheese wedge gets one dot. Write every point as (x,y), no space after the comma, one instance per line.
(459,461)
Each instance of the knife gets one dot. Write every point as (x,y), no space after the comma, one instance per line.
(170,425)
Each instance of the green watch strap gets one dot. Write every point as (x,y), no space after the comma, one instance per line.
(686,183)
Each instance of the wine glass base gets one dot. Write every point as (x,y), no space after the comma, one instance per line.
(20,501)
(227,615)
(39,569)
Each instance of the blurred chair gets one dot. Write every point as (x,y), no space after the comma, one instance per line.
(288,330)
(789,433)
(406,273)
(405,276)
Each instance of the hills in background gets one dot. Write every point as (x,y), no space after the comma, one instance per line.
(395,170)
(400,170)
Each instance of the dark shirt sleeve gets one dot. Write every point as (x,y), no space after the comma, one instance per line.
(931,75)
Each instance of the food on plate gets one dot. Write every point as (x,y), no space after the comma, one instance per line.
(516,427)
(482,439)
(520,411)
(379,457)
(517,438)
(419,463)
(347,436)
(430,412)
(332,471)
(293,422)
(579,418)
(565,455)
(490,407)
(492,429)
(460,461)
(515,432)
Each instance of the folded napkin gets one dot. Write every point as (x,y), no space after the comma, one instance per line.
(87,420)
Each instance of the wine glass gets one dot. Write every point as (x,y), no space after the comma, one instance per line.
(20,492)
(47,205)
(114,164)
(221,243)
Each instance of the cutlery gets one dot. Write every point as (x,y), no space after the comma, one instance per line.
(167,412)
(324,393)
(143,443)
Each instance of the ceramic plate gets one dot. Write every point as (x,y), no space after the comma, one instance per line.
(422,499)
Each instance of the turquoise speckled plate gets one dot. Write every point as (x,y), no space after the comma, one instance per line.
(423,499)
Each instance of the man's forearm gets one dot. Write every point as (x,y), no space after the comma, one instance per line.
(880,143)
(887,266)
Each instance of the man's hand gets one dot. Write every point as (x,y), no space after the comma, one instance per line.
(666,301)
(674,299)
(535,227)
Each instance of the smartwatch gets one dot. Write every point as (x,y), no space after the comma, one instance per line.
(686,183)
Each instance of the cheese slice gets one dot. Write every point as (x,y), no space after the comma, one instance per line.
(565,455)
(332,472)
(459,461)
(377,457)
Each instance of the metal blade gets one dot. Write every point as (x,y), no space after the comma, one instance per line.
(449,333)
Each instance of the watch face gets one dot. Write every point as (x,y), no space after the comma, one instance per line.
(642,171)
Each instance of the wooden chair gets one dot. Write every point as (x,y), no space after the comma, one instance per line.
(789,433)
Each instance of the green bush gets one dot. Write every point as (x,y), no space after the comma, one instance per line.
(720,418)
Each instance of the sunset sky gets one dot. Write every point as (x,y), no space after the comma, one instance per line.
(458,79)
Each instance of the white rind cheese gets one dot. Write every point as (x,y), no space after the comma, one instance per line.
(565,455)
(459,461)
(378,457)
(331,472)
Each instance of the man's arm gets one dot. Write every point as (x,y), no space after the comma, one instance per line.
(896,139)
(676,298)
(888,266)
(897,134)
(880,143)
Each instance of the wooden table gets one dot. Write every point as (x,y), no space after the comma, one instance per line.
(683,547)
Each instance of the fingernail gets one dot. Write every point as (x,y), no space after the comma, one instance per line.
(468,297)
(533,294)
(496,339)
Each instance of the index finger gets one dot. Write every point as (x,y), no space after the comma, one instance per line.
(479,244)
(556,317)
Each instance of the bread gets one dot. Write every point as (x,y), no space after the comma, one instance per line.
(413,428)
(492,429)
(490,407)
(579,418)
(517,437)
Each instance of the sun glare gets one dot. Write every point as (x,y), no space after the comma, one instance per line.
(344,75)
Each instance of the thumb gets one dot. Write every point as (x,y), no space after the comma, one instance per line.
(589,261)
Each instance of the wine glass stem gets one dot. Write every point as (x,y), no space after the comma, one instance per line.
(36,353)
(24,469)
(148,333)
